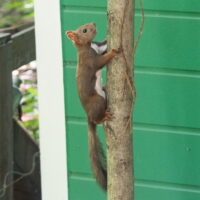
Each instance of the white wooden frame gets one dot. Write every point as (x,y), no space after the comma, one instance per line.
(51,100)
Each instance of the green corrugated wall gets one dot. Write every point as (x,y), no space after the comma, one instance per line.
(167,110)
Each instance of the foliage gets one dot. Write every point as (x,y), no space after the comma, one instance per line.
(16,12)
(26,103)
(30,111)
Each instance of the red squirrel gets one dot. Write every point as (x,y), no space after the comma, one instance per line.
(92,96)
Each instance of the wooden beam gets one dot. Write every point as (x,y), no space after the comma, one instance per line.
(15,51)
(6,132)
(4,38)
(23,47)
(26,157)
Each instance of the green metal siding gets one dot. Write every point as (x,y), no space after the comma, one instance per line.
(167,114)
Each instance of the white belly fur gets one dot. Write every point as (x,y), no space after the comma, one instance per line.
(98,85)
(99,49)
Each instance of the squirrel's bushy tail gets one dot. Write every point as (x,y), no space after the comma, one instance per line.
(97,157)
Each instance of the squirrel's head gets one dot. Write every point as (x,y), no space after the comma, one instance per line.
(83,35)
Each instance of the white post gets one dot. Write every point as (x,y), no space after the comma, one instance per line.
(51,100)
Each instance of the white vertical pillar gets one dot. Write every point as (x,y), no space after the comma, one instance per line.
(51,100)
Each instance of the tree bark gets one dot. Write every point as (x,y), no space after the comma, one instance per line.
(121,96)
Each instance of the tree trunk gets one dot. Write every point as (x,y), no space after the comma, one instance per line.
(121,96)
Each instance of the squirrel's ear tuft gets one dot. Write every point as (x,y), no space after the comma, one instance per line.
(71,35)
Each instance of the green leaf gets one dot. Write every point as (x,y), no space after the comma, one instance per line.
(32,91)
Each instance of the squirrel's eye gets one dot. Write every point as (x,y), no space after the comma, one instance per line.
(84,30)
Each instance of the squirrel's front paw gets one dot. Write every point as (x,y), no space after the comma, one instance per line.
(117,51)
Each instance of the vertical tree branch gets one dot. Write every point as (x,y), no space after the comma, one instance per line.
(121,96)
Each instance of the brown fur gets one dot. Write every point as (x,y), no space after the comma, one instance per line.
(89,62)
